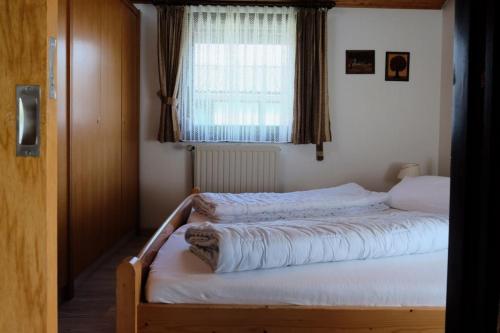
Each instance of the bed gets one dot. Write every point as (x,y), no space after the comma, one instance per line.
(154,292)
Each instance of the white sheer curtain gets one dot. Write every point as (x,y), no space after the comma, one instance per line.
(238,74)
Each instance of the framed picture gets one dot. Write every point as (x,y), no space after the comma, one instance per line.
(360,61)
(397,66)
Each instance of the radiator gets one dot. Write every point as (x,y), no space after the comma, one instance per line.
(236,168)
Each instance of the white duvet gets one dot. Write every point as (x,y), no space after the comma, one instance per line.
(348,199)
(251,246)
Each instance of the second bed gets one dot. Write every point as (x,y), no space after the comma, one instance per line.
(178,276)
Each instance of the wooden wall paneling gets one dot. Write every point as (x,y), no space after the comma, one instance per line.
(104,126)
(85,117)
(28,185)
(130,117)
(110,136)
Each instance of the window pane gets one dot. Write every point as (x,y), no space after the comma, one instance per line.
(237,74)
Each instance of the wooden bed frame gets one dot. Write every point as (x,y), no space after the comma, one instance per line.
(135,315)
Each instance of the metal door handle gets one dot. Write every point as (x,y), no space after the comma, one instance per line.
(28,120)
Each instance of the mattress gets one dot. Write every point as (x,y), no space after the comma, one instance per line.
(178,276)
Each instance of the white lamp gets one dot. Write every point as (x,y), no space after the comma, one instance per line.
(409,170)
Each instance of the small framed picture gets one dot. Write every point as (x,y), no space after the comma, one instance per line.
(360,61)
(397,66)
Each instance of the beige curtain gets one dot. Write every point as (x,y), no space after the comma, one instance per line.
(170,26)
(311,118)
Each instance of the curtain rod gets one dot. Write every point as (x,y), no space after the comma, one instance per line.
(292,3)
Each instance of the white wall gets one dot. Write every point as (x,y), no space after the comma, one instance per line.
(446,88)
(164,180)
(376,124)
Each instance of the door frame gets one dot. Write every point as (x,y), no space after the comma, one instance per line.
(474,250)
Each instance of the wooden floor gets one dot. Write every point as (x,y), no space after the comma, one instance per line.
(93,307)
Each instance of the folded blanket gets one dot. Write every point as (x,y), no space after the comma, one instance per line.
(349,199)
(243,246)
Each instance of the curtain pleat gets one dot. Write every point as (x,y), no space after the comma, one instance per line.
(311,118)
(170,35)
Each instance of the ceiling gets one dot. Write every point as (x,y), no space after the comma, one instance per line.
(404,4)
(407,4)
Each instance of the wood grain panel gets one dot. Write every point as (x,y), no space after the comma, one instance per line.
(130,117)
(110,129)
(104,126)
(128,286)
(28,185)
(86,194)
(403,4)
(162,318)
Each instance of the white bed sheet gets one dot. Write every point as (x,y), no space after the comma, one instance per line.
(178,276)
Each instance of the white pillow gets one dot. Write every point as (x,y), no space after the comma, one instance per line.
(428,194)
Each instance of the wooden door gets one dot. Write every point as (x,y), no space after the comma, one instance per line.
(28,185)
(130,117)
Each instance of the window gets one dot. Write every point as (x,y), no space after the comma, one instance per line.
(238,74)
